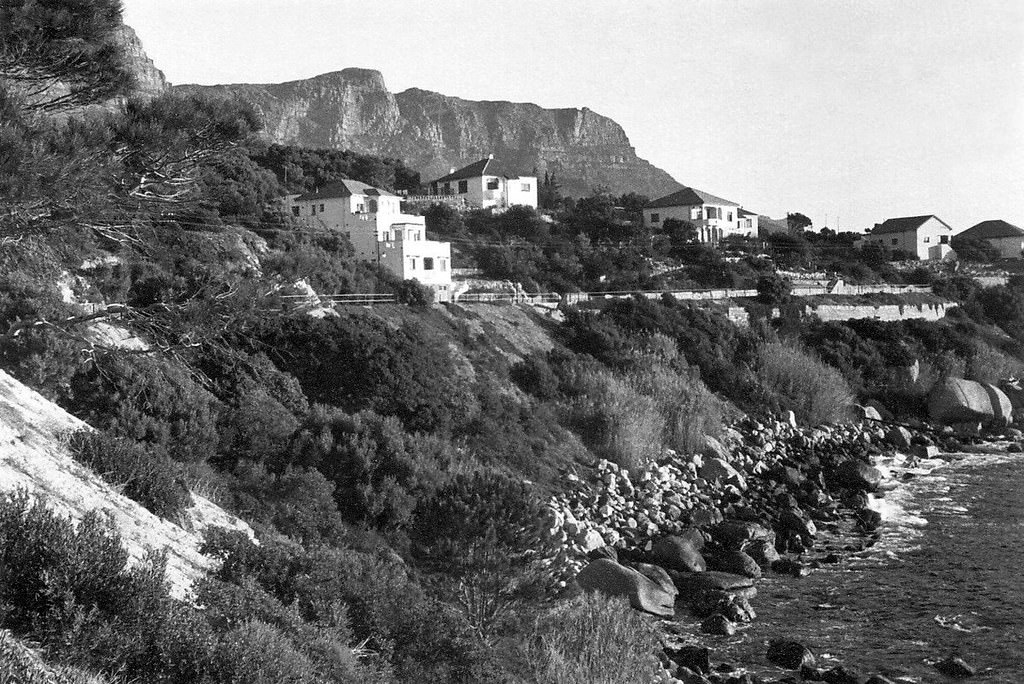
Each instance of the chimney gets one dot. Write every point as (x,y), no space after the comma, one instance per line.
(451,169)
(490,156)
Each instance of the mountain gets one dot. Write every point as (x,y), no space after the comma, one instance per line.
(149,81)
(433,133)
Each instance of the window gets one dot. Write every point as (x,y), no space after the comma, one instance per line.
(321,208)
(428,263)
(463,187)
(927,239)
(312,209)
(295,211)
(443,263)
(412,263)
(447,188)
(895,241)
(728,216)
(943,239)
(360,208)
(696,214)
(525,187)
(373,206)
(714,212)
(492,184)
(655,218)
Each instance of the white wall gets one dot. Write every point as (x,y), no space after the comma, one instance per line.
(724,224)
(929,241)
(522,191)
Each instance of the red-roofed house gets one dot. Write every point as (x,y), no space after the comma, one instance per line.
(714,217)
(485,184)
(1006,237)
(379,231)
(926,237)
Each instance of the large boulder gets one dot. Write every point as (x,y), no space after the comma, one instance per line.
(734,534)
(608,577)
(678,553)
(737,563)
(790,654)
(718,470)
(856,474)
(1002,407)
(955,400)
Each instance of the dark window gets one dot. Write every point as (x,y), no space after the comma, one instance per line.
(655,218)
(312,209)
(428,264)
(295,211)
(895,241)
(447,188)
(463,187)
(943,239)
(492,184)
(321,208)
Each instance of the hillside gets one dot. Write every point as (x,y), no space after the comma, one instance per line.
(431,132)
(34,457)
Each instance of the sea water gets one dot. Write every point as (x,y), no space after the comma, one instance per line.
(945,577)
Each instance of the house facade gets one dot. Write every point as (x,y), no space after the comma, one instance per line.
(715,218)
(379,231)
(1006,237)
(926,237)
(485,185)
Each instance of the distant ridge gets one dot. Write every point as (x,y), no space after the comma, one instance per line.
(432,133)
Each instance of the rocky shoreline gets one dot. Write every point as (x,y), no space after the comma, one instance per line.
(688,538)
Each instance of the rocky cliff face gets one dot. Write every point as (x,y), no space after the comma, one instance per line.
(149,81)
(432,132)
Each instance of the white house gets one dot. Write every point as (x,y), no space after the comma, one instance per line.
(715,218)
(484,184)
(379,231)
(926,237)
(1006,237)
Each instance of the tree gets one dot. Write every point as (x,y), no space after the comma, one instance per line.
(680,234)
(773,290)
(549,196)
(60,54)
(797,222)
(974,249)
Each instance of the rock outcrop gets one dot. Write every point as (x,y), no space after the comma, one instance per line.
(432,133)
(955,400)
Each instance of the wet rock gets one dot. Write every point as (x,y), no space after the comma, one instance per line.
(712,580)
(922,451)
(899,438)
(841,674)
(678,553)
(733,534)
(718,624)
(786,566)
(796,521)
(695,658)
(745,678)
(608,577)
(737,609)
(856,474)
(789,654)
(955,667)
(737,563)
(763,553)
(868,519)
(879,679)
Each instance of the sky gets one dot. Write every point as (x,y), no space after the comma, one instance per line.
(849,111)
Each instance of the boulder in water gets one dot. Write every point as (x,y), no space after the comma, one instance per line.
(789,654)
(734,534)
(718,624)
(737,563)
(955,400)
(694,658)
(856,474)
(955,667)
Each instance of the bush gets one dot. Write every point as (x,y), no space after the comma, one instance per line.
(814,391)
(593,639)
(256,653)
(145,474)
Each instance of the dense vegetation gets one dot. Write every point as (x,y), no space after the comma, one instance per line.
(394,462)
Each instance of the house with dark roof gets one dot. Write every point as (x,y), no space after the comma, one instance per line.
(1006,237)
(378,230)
(924,237)
(486,184)
(715,218)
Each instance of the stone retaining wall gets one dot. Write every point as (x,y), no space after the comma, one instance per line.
(846,312)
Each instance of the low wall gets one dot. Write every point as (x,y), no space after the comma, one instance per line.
(847,312)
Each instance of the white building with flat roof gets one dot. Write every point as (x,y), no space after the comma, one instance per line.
(379,231)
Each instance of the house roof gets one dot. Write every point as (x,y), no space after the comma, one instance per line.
(688,197)
(988,230)
(904,224)
(484,167)
(344,188)
(743,213)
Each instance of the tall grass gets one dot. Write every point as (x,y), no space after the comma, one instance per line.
(990,365)
(593,639)
(816,392)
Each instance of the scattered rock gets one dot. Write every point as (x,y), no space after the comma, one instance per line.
(734,534)
(678,553)
(865,413)
(608,577)
(718,624)
(789,654)
(719,470)
(695,658)
(898,437)
(955,667)
(763,553)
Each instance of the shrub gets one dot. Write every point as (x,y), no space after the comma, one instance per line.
(593,639)
(990,365)
(257,653)
(145,474)
(534,376)
(813,390)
